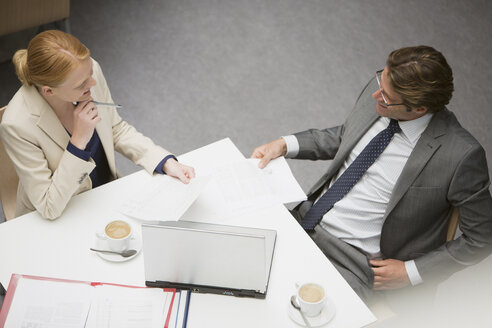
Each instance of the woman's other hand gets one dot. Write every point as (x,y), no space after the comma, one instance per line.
(177,170)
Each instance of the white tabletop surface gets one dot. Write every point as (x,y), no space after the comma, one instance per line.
(60,249)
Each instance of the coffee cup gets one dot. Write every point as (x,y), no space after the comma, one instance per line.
(311,297)
(117,234)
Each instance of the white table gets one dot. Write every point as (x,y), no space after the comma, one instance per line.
(60,249)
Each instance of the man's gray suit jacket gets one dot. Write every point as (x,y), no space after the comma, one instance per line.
(446,169)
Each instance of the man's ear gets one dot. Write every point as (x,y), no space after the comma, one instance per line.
(421,111)
(47,91)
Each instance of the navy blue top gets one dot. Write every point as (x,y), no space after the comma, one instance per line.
(101,173)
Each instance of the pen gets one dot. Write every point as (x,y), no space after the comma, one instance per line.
(187,308)
(107,104)
(102,104)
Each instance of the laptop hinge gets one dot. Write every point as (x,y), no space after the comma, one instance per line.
(206,289)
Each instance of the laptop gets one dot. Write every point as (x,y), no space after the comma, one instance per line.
(208,258)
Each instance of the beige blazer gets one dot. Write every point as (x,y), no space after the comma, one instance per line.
(36,141)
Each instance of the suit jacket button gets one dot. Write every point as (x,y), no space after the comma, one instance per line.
(83,177)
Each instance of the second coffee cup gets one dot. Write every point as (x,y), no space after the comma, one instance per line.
(311,297)
(117,234)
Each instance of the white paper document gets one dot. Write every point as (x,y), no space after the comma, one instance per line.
(39,303)
(116,307)
(281,181)
(163,198)
(241,187)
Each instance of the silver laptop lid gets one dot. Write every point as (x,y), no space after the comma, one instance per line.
(208,254)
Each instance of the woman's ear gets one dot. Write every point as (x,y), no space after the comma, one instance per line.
(46,91)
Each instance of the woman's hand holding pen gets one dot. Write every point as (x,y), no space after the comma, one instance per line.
(177,170)
(85,118)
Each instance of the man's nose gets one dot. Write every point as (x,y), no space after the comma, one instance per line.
(376,94)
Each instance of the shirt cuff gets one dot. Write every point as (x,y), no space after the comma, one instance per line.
(159,166)
(413,273)
(82,154)
(292,146)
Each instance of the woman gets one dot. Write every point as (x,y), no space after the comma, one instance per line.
(60,142)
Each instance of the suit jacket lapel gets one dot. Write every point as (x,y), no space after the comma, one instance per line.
(356,127)
(48,121)
(421,154)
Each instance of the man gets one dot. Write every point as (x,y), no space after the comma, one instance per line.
(381,211)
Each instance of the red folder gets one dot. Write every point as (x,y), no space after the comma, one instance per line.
(16,277)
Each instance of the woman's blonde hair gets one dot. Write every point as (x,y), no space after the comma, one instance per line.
(49,58)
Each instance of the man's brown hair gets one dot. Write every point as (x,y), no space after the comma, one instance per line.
(421,76)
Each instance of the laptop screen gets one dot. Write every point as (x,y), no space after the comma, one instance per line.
(193,253)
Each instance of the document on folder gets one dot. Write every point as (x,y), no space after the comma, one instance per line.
(44,302)
(113,306)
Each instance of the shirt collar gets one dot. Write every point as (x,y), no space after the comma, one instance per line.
(413,129)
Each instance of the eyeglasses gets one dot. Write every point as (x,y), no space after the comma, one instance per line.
(378,78)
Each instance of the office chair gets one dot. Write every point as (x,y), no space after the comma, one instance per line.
(22,14)
(453,224)
(8,180)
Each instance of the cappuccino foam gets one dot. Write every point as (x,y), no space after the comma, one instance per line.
(311,293)
(117,229)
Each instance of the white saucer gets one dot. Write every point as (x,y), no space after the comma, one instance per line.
(135,243)
(321,319)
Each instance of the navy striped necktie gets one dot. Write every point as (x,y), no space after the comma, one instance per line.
(350,176)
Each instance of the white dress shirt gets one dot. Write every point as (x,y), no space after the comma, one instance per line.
(358,217)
